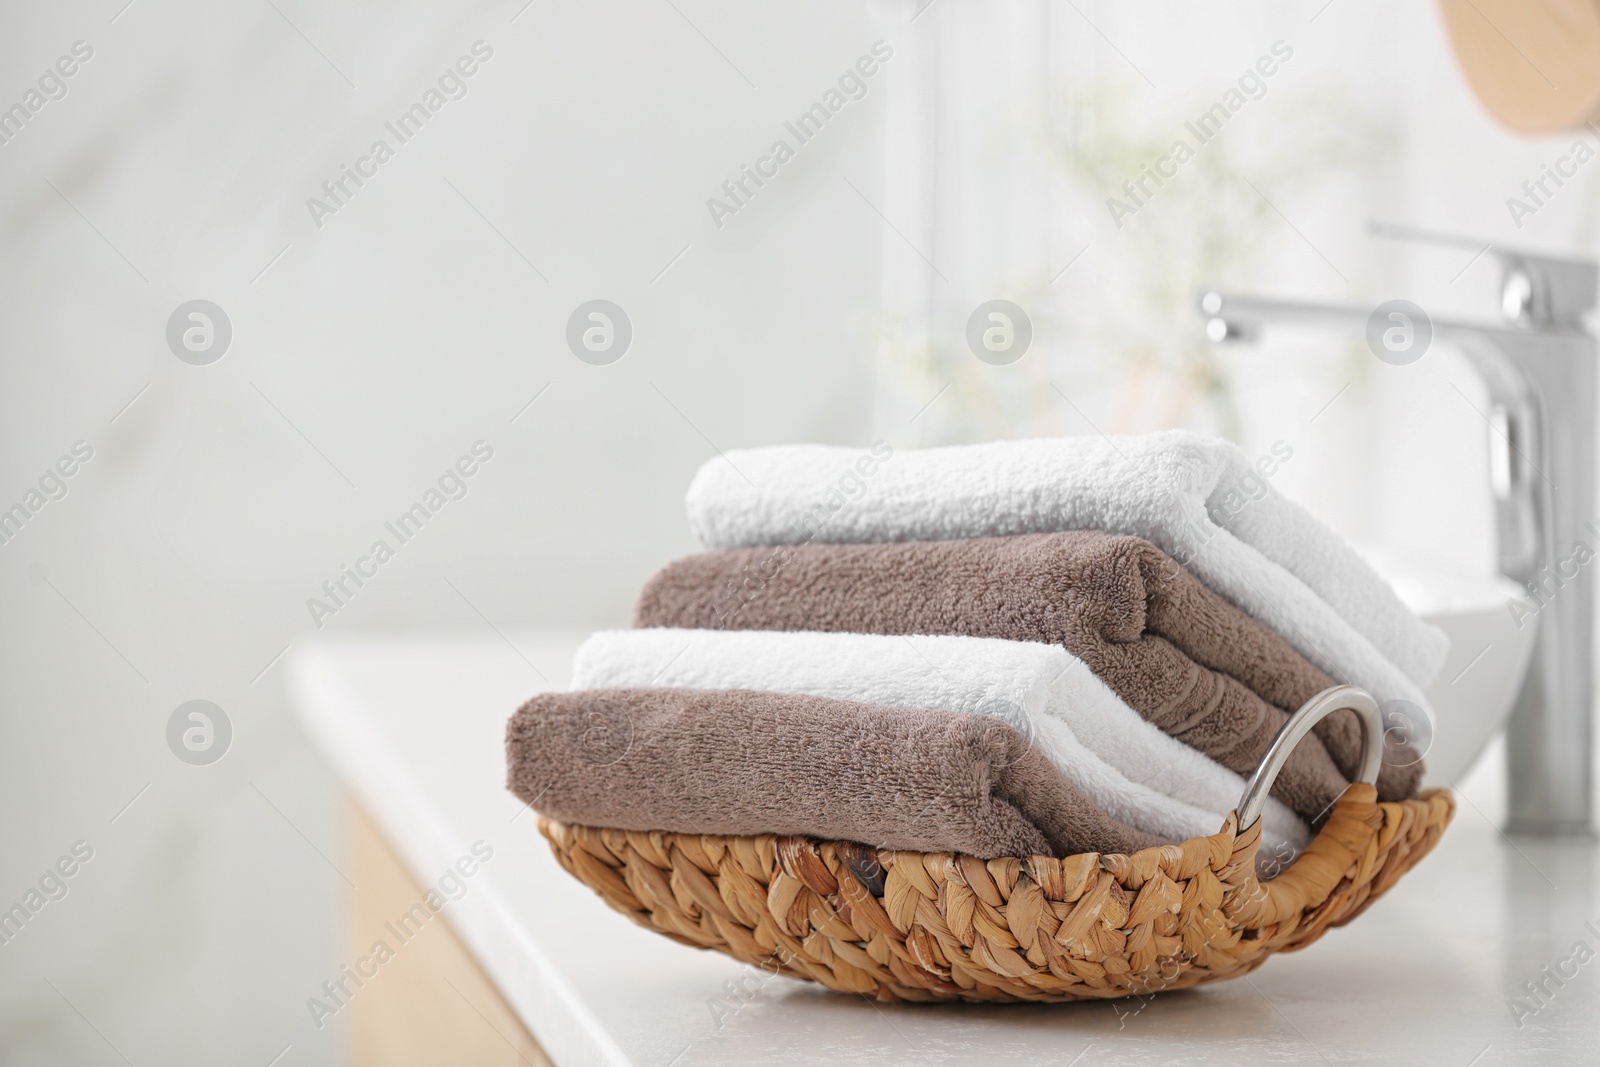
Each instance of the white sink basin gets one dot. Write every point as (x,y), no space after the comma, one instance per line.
(1475,689)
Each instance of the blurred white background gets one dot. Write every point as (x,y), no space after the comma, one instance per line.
(371,351)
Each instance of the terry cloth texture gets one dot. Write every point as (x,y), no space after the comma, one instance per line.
(1126,766)
(741,762)
(1176,652)
(1197,498)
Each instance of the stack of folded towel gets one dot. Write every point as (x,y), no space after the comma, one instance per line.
(1051,646)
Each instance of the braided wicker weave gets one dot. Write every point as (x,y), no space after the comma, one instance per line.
(936,926)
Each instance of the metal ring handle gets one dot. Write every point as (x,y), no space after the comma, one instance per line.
(1300,723)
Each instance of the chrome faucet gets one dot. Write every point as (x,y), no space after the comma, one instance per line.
(1539,364)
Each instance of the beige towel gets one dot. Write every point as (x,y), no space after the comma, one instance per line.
(740,762)
(1175,651)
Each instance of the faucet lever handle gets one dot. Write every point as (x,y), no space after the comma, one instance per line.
(1536,289)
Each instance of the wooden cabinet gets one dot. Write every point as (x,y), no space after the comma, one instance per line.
(429,1003)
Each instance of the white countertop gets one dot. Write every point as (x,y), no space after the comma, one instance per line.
(414,726)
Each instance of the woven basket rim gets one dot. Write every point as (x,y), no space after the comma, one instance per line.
(928,926)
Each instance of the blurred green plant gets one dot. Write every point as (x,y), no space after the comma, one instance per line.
(1211,224)
(1121,327)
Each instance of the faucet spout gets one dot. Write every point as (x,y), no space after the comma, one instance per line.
(1540,368)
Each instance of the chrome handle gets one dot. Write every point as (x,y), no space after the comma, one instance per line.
(1313,711)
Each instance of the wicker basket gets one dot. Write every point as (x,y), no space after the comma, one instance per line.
(937,926)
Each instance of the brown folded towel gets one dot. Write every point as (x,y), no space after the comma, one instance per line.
(739,762)
(1178,653)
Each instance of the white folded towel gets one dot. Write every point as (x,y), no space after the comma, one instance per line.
(1196,498)
(1128,767)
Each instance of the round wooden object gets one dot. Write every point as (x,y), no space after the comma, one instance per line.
(1535,64)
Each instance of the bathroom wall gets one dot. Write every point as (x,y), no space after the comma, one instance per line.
(372,346)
